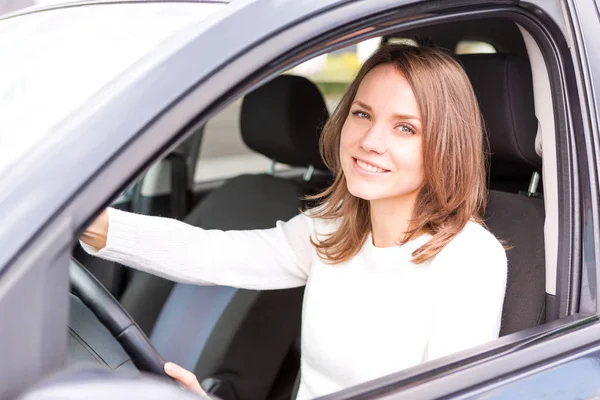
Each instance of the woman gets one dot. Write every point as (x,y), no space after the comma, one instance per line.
(397,265)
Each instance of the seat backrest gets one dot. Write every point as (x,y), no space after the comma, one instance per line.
(237,338)
(504,89)
(519,220)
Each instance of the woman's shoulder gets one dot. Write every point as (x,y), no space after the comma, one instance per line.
(474,242)
(320,225)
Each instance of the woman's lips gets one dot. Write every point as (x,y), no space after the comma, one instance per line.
(366,167)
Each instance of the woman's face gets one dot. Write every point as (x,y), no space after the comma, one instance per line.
(381,140)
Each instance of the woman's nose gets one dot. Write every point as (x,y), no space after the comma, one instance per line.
(373,140)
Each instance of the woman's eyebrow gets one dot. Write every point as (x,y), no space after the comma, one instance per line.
(399,116)
(407,116)
(363,105)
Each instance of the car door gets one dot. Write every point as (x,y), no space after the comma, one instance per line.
(493,362)
(171,99)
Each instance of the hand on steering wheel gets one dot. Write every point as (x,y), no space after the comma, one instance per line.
(186,378)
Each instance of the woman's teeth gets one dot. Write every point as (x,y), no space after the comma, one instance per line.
(369,167)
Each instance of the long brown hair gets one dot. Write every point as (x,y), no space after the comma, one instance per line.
(454,187)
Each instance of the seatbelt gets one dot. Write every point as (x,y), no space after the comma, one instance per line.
(179,185)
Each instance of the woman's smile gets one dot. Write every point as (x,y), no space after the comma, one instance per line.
(369,169)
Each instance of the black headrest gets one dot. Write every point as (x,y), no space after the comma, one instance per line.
(283,120)
(504,90)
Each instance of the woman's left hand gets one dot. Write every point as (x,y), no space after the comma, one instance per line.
(187,379)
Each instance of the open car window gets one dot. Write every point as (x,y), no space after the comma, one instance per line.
(332,73)
(223,153)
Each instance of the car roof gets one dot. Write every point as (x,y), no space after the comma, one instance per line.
(77,3)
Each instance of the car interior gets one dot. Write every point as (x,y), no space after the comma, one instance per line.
(243,344)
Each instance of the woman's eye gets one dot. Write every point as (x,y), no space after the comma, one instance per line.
(406,129)
(360,114)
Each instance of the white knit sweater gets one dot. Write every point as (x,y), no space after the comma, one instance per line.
(371,316)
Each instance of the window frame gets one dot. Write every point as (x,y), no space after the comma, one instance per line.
(584,20)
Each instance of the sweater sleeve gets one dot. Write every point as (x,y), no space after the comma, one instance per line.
(469,287)
(273,258)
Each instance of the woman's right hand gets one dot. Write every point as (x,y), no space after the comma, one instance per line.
(186,378)
(95,235)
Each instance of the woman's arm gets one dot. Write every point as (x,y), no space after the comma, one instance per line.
(468,290)
(256,259)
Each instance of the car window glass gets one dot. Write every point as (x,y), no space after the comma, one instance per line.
(79,51)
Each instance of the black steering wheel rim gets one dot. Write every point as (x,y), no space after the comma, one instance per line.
(114,317)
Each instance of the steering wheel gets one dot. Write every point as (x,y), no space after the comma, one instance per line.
(114,317)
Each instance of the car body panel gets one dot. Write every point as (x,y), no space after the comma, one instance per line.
(576,377)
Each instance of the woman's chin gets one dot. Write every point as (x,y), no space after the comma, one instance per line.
(362,192)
